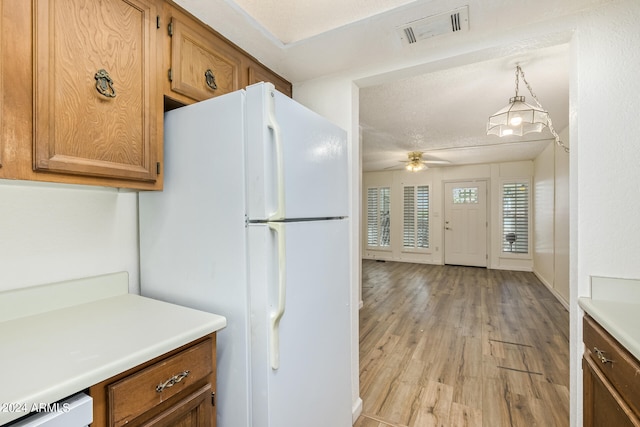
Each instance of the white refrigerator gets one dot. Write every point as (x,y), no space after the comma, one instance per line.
(252,224)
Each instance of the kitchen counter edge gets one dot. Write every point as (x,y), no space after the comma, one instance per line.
(51,355)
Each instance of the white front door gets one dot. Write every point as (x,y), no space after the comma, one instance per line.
(465,223)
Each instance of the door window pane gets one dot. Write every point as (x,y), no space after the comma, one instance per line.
(465,195)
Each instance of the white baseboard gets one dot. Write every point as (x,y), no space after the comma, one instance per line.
(356,410)
(555,293)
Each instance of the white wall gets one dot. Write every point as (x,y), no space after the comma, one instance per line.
(338,101)
(561,281)
(605,160)
(551,220)
(543,215)
(50,233)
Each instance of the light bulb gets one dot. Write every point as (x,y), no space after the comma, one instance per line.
(506,132)
(516,121)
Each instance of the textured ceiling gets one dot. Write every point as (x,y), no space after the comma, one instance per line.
(434,96)
(293,20)
(445,113)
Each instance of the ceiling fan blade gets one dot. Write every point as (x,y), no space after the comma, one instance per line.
(437,162)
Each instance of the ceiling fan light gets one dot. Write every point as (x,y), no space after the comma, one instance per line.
(415,166)
(517,118)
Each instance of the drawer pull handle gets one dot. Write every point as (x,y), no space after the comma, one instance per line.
(600,355)
(171,381)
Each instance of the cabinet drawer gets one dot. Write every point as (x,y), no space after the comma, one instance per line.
(617,365)
(137,393)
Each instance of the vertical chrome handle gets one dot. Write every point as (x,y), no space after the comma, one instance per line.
(281,296)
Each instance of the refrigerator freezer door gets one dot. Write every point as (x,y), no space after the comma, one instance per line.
(295,157)
(193,236)
(311,384)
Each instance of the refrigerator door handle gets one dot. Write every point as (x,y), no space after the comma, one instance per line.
(272,124)
(281,293)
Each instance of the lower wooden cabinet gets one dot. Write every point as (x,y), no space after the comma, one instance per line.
(611,389)
(192,411)
(176,389)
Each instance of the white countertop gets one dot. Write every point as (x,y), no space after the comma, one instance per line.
(621,320)
(50,355)
(615,304)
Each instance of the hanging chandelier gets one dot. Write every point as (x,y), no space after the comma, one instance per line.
(519,118)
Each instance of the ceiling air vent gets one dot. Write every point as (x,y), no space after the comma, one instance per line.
(436,25)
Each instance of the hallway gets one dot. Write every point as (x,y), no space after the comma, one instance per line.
(461,346)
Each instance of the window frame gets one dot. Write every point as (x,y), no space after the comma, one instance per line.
(415,214)
(379,200)
(505,253)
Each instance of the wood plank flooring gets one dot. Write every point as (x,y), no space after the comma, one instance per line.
(453,346)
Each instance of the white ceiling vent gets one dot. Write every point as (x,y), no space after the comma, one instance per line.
(444,23)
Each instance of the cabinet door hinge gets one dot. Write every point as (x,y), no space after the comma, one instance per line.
(158,168)
(157,21)
(170,28)
(213,398)
(170,75)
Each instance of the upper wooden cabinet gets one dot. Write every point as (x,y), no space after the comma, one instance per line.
(95,92)
(257,73)
(83,84)
(201,64)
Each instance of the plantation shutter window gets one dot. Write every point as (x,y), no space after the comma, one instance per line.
(378,217)
(515,217)
(416,217)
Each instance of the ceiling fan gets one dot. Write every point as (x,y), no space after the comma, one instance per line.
(416,162)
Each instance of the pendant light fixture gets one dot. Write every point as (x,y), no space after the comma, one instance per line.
(519,118)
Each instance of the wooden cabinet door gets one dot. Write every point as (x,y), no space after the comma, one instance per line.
(94,88)
(193,411)
(602,404)
(260,74)
(202,65)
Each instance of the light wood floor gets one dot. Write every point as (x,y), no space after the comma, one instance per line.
(461,346)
